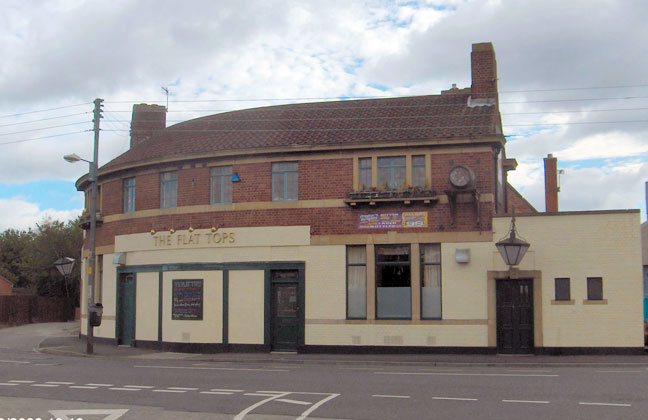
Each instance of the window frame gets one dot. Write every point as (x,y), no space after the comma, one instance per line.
(363,170)
(169,199)
(128,195)
(283,173)
(425,178)
(422,278)
(392,167)
(222,178)
(378,264)
(348,264)
(590,292)
(560,298)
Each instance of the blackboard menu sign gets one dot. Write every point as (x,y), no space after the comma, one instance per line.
(187,300)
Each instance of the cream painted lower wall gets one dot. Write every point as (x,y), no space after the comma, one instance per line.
(146,306)
(398,335)
(210,329)
(246,315)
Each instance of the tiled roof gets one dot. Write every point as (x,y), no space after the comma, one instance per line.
(339,123)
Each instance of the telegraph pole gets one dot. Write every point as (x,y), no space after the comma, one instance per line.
(93,222)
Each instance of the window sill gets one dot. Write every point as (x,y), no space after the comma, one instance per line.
(354,202)
(595,302)
(563,302)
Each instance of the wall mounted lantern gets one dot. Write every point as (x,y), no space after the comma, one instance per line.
(512,248)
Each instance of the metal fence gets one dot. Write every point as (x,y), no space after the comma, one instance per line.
(20,309)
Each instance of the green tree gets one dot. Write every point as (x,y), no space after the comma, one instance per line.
(13,248)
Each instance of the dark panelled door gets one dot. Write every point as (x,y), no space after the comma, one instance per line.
(515,316)
(126,310)
(285,311)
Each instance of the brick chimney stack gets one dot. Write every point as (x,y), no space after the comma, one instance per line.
(551,184)
(146,120)
(484,71)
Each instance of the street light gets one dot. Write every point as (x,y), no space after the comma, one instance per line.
(92,177)
(64,265)
(512,248)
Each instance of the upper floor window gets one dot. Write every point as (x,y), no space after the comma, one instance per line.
(391,172)
(364,175)
(284,181)
(168,190)
(221,184)
(418,171)
(129,195)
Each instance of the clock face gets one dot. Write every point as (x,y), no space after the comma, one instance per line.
(460,177)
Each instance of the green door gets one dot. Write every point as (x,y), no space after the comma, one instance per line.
(285,322)
(126,310)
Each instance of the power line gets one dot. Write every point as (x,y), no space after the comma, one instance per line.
(44,110)
(392,117)
(385,128)
(574,88)
(44,137)
(44,128)
(45,119)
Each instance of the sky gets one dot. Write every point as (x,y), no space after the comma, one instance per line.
(572,77)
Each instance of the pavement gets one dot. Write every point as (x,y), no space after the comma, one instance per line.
(63,339)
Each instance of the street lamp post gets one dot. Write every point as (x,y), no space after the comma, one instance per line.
(93,218)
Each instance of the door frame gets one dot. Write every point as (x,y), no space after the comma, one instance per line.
(514,274)
(301,308)
(118,312)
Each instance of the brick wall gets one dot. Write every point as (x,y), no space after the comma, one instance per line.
(318,180)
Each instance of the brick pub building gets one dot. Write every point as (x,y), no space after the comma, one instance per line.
(353,226)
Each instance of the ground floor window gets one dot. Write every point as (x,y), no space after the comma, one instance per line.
(356,282)
(594,288)
(431,281)
(562,288)
(393,282)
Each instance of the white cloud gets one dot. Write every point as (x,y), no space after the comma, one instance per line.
(605,146)
(22,215)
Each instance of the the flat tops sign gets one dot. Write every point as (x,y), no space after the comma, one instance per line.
(187,300)
(393,220)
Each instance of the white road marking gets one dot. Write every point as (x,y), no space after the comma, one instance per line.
(526,401)
(83,387)
(177,391)
(468,374)
(211,368)
(390,396)
(6,384)
(60,383)
(113,414)
(608,404)
(242,414)
(216,392)
(225,390)
(125,389)
(100,384)
(46,385)
(619,371)
(316,405)
(286,400)
(15,361)
(45,364)
(22,382)
(454,398)
(139,386)
(259,394)
(182,389)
